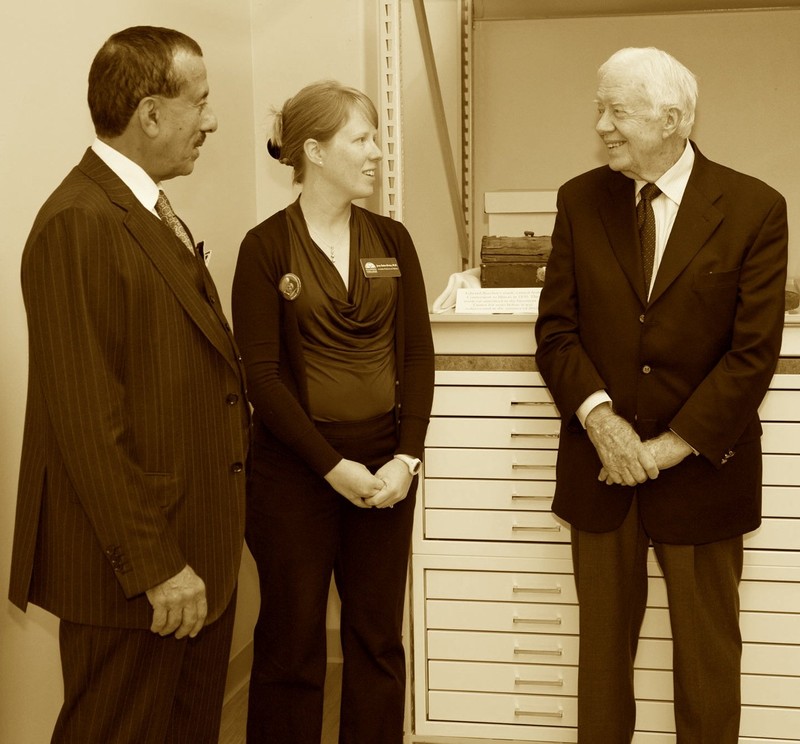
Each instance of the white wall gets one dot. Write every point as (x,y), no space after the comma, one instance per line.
(47,48)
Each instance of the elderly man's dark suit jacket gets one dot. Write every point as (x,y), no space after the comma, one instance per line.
(697,358)
(137,424)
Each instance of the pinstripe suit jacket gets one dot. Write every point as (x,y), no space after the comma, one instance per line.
(137,423)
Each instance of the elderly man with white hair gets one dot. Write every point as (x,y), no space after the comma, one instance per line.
(659,330)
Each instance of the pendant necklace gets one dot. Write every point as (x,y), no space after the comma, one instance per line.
(324,244)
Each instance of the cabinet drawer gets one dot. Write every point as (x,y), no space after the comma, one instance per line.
(775,534)
(457,400)
(757,658)
(457,493)
(504,647)
(538,679)
(757,690)
(780,405)
(490,463)
(516,617)
(756,596)
(780,502)
(500,586)
(512,617)
(780,438)
(510,433)
(781,470)
(760,659)
(493,708)
(757,627)
(496,526)
(756,721)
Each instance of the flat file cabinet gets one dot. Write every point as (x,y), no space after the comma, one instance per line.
(493,605)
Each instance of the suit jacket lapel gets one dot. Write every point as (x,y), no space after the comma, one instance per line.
(618,214)
(162,249)
(696,221)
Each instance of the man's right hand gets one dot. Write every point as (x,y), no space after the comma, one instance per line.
(626,460)
(179,605)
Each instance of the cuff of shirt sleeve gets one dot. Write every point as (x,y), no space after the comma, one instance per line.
(594,400)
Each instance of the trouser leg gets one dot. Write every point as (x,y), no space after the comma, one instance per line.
(703,592)
(124,686)
(371,577)
(611,579)
(292,532)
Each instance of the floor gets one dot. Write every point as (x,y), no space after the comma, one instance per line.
(234,713)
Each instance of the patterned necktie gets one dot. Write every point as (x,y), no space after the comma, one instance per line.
(164,210)
(647,229)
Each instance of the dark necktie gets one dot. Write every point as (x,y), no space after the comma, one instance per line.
(164,210)
(647,229)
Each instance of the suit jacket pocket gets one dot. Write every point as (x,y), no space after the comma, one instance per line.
(164,489)
(708,281)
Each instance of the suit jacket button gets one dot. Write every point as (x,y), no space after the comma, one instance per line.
(646,369)
(237,467)
(232,399)
(641,318)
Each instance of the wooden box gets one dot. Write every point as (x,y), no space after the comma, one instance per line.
(514,261)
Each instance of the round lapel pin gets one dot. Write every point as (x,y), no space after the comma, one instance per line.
(289,286)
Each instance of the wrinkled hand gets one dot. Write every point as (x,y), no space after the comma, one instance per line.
(624,457)
(179,605)
(353,481)
(668,449)
(397,479)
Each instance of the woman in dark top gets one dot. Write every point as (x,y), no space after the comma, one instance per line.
(331,317)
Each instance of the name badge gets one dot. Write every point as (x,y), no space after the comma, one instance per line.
(375,268)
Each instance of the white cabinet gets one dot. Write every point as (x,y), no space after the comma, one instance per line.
(494,611)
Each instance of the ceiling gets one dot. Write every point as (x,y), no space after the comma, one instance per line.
(490,10)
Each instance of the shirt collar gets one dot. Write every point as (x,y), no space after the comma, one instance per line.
(131,174)
(673,182)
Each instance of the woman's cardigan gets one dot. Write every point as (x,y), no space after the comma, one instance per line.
(268,334)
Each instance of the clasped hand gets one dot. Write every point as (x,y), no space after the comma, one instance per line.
(363,489)
(625,458)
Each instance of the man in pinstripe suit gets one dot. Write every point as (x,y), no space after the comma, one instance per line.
(130,511)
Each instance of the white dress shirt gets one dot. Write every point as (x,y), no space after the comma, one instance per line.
(131,174)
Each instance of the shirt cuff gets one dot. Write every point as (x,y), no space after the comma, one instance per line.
(594,400)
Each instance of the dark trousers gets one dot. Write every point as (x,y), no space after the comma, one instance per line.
(300,532)
(703,594)
(125,686)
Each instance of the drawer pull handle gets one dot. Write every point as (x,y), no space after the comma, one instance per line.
(523,466)
(536,590)
(522,435)
(525,497)
(525,528)
(536,621)
(539,713)
(538,652)
(539,682)
(531,403)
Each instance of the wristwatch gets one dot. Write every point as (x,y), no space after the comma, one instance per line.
(412,463)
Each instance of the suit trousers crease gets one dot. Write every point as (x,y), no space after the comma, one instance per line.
(300,533)
(124,686)
(703,595)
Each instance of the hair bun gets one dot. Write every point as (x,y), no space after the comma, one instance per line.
(273,149)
